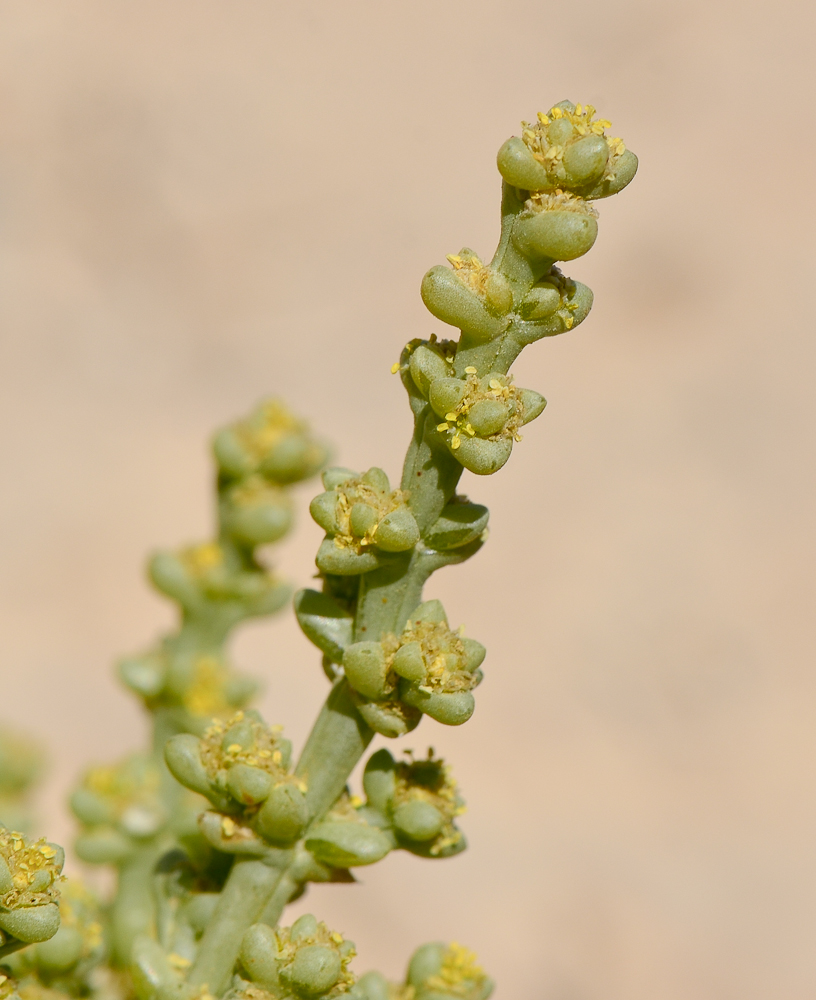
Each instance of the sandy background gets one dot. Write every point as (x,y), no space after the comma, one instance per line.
(203,202)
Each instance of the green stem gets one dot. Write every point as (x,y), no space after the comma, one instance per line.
(336,743)
(134,909)
(286,888)
(430,473)
(245,895)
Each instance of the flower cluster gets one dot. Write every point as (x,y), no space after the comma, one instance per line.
(364,519)
(306,961)
(242,767)
(120,807)
(436,972)
(427,669)
(29,894)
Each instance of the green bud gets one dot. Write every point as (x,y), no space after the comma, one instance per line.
(373,986)
(248,785)
(168,575)
(362,518)
(452,301)
(338,560)
(621,174)
(364,665)
(446,394)
(232,457)
(336,476)
(389,718)
(294,457)
(324,511)
(377,480)
(61,953)
(482,457)
(585,160)
(142,674)
(31,923)
(444,972)
(425,962)
(103,846)
(263,519)
(427,367)
(182,754)
(450,708)
(409,663)
(242,732)
(498,295)
(520,168)
(459,523)
(540,302)
(488,416)
(229,835)
(259,954)
(88,807)
(554,234)
(474,654)
(284,815)
(313,971)
(532,403)
(347,844)
(304,927)
(379,779)
(430,611)
(397,531)
(418,820)
(325,622)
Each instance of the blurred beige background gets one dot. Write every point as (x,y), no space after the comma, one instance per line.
(203,202)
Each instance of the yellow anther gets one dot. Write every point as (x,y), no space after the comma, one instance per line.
(356,801)
(395,368)
(234,748)
(450,416)
(227,826)
(455,442)
(178,961)
(470,370)
(277,756)
(494,383)
(543,118)
(556,112)
(264,753)
(469,429)
(442,427)
(337,938)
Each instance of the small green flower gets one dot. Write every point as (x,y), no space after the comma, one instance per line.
(242,767)
(306,961)
(29,896)
(363,518)
(121,808)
